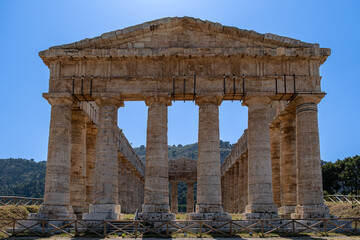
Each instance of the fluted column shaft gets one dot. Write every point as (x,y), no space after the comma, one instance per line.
(309,175)
(208,164)
(241,186)
(236,187)
(106,165)
(288,162)
(174,197)
(78,162)
(232,189)
(190,197)
(246,180)
(260,194)
(91,133)
(57,181)
(122,189)
(275,161)
(156,179)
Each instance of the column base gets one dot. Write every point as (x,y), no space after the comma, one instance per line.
(79,211)
(155,208)
(208,216)
(54,212)
(311,211)
(156,216)
(286,211)
(260,211)
(103,211)
(209,208)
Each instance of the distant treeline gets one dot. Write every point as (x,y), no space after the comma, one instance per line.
(342,176)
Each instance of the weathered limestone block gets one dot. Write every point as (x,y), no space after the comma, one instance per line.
(260,194)
(287,163)
(309,176)
(91,133)
(174,197)
(106,166)
(190,197)
(57,181)
(209,205)
(78,163)
(275,160)
(156,201)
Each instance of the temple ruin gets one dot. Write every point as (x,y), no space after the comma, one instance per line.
(274,169)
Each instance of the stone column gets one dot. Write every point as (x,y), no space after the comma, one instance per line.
(209,205)
(128,189)
(309,176)
(231,187)
(132,191)
(174,197)
(122,189)
(78,163)
(275,160)
(241,186)
(287,163)
(260,194)
(156,202)
(57,181)
(246,179)
(91,133)
(106,166)
(190,197)
(236,187)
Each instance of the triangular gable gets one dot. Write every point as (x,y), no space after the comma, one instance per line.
(184,32)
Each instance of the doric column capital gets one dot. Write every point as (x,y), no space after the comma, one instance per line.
(59,98)
(308,98)
(253,100)
(157,99)
(208,99)
(108,99)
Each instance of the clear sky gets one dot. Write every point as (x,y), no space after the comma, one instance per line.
(27,27)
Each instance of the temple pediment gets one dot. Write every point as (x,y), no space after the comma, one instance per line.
(181,33)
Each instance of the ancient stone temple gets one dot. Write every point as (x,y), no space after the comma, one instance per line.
(182,170)
(92,171)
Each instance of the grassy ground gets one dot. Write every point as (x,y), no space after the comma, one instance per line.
(17,211)
(344,210)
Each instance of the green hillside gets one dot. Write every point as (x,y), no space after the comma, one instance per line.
(189,151)
(22,177)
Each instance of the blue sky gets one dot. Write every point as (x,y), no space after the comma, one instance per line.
(27,27)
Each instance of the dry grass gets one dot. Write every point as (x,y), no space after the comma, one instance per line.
(17,211)
(344,210)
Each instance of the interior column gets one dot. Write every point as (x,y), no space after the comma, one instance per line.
(260,193)
(106,166)
(275,160)
(78,163)
(174,197)
(190,197)
(209,204)
(156,201)
(287,163)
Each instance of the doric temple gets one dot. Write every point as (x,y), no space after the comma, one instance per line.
(273,171)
